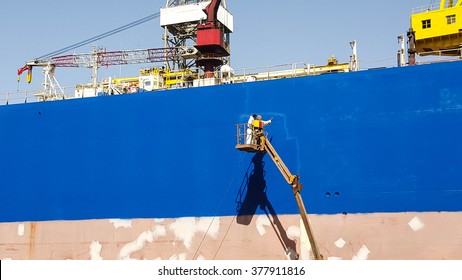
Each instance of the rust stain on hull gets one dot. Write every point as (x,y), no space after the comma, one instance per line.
(33,229)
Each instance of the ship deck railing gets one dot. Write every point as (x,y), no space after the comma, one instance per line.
(29,96)
(281,71)
(271,72)
(250,74)
(448,54)
(242,75)
(425,8)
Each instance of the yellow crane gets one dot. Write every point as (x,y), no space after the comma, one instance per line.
(260,143)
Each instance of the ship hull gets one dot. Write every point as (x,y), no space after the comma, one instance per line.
(398,236)
(372,148)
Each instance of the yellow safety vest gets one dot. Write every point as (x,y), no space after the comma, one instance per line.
(257,124)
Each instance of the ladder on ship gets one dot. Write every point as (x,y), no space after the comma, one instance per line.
(257,142)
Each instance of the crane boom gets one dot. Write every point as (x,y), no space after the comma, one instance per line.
(260,143)
(108,58)
(105,58)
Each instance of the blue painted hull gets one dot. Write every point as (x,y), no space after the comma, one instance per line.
(373,141)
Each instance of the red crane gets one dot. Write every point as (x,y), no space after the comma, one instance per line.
(210,41)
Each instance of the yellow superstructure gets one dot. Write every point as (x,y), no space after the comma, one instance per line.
(438,30)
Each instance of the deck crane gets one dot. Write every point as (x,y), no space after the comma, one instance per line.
(94,60)
(201,26)
(199,21)
(210,41)
(261,144)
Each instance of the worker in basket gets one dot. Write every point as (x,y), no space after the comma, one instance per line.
(249,132)
(258,128)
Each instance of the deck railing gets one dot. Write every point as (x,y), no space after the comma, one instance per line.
(240,75)
(26,96)
(426,8)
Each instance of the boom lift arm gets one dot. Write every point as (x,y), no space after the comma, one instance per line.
(296,187)
(263,145)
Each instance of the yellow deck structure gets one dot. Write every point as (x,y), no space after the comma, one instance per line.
(438,29)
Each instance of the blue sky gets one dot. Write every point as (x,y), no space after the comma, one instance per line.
(265,32)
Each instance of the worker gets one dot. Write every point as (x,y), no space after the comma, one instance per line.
(248,138)
(258,127)
(265,123)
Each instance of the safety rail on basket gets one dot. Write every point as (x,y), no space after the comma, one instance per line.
(241,133)
(247,135)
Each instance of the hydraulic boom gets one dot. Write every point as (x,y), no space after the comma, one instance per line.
(261,144)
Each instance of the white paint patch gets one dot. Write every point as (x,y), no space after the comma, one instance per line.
(340,243)
(416,224)
(211,226)
(186,228)
(158,221)
(138,244)
(159,230)
(20,229)
(362,254)
(261,222)
(144,238)
(200,258)
(182,256)
(334,258)
(95,250)
(173,258)
(121,223)
(293,232)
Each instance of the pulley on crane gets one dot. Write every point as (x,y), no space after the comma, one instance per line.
(29,72)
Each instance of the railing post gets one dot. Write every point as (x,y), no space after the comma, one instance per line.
(237,134)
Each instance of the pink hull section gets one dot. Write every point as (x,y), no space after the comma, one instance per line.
(430,235)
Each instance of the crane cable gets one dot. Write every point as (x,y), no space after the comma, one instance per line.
(101,36)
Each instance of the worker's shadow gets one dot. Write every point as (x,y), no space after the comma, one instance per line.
(252,194)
